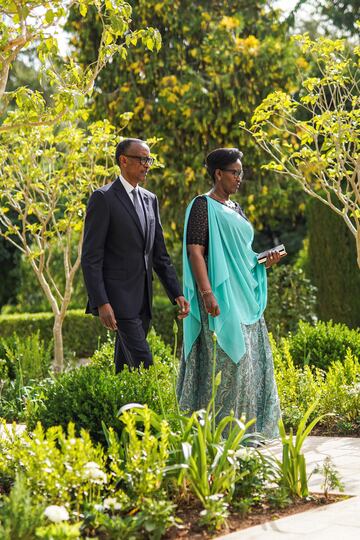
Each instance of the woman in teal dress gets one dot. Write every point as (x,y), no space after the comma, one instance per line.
(226,288)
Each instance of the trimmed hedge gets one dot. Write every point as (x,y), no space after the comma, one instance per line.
(323,343)
(83,333)
(332,266)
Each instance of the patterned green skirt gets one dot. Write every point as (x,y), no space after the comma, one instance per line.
(248,388)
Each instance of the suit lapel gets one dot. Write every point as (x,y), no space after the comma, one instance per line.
(127,204)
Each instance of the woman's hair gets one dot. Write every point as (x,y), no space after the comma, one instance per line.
(221,158)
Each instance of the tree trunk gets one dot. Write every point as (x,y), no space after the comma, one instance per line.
(58,344)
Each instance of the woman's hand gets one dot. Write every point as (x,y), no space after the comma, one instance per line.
(272,258)
(211,305)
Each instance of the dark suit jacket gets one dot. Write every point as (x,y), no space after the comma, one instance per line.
(117,259)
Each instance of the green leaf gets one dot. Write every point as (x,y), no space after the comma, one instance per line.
(49,16)
(108,38)
(150,44)
(83,9)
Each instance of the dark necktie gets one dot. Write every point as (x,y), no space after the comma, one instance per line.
(139,209)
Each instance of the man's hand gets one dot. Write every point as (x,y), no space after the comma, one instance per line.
(184,307)
(107,317)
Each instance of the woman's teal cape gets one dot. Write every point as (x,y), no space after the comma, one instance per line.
(238,281)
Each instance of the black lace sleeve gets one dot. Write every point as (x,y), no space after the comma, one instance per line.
(197,228)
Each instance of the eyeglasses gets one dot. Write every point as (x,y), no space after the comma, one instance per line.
(144,160)
(235,172)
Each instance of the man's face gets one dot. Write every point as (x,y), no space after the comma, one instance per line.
(130,163)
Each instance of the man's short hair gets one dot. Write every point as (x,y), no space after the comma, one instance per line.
(123,147)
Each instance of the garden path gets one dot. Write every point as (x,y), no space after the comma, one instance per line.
(330,522)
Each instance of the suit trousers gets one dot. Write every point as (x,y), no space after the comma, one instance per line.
(131,347)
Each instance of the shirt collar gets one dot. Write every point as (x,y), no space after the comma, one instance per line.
(128,187)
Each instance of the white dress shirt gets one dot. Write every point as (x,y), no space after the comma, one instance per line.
(128,187)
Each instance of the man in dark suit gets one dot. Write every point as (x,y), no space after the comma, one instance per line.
(123,243)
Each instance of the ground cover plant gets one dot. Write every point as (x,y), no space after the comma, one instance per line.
(56,484)
(94,470)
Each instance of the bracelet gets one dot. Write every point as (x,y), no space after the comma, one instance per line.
(207,291)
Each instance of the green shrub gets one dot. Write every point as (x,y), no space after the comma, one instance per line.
(19,514)
(26,324)
(56,465)
(337,390)
(86,396)
(160,347)
(341,393)
(17,402)
(147,455)
(24,363)
(291,298)
(92,394)
(27,357)
(320,344)
(4,371)
(292,382)
(7,367)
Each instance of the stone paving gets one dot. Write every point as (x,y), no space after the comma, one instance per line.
(331,522)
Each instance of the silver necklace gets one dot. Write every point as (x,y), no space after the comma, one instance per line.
(228,202)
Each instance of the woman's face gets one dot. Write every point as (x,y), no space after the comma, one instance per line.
(229,178)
